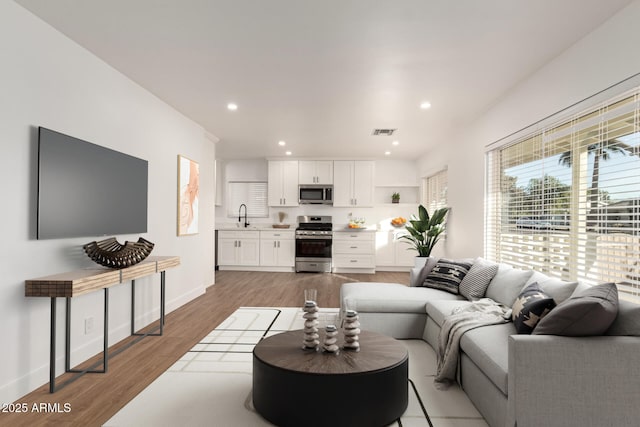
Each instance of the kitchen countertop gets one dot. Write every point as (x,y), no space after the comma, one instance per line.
(252,227)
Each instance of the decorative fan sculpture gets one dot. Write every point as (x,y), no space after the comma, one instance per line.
(112,254)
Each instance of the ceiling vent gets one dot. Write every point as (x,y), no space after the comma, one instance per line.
(384,132)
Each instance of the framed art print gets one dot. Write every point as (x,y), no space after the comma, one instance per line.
(188,187)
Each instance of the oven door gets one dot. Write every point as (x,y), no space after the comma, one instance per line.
(313,247)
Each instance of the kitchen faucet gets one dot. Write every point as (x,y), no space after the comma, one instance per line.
(246,224)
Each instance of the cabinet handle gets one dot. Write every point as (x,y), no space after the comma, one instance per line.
(239,243)
(235,243)
(278,243)
(353,260)
(274,244)
(355,202)
(285,201)
(353,247)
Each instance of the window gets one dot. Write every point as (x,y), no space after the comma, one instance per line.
(434,189)
(252,194)
(565,200)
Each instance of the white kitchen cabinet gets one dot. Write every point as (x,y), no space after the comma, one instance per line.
(238,248)
(354,251)
(277,248)
(393,252)
(354,183)
(315,172)
(283,183)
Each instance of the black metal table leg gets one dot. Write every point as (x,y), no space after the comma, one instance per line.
(105,351)
(162,308)
(52,348)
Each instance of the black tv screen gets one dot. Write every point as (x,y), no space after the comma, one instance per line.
(88,190)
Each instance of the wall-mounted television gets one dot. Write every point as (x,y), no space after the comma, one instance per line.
(88,190)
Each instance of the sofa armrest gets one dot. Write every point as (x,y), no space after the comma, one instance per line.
(573,381)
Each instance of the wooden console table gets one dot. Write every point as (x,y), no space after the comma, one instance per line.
(80,282)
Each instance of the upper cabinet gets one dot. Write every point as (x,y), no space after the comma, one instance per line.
(354,183)
(315,171)
(283,183)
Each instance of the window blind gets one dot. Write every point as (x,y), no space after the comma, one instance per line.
(565,199)
(435,191)
(252,194)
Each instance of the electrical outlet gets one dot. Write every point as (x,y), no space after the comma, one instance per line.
(88,325)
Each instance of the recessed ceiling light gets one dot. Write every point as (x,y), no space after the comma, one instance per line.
(231,106)
(395,143)
(282,143)
(425,105)
(387,153)
(288,153)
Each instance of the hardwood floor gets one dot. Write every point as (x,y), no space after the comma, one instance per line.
(95,398)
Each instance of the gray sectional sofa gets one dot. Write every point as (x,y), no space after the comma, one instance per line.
(515,379)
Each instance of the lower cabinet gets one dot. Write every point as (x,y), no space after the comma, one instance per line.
(393,253)
(258,250)
(238,248)
(277,248)
(354,251)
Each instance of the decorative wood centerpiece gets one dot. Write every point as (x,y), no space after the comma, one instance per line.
(110,253)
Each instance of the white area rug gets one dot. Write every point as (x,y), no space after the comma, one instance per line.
(211,384)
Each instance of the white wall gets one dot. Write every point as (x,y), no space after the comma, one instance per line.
(606,56)
(48,80)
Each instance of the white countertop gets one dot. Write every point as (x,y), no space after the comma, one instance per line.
(252,227)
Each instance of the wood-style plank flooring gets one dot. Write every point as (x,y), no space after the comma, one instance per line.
(95,398)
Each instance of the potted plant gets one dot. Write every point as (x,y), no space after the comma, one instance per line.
(395,198)
(425,231)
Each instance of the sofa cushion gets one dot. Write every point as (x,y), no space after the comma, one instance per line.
(557,289)
(439,309)
(627,321)
(590,312)
(447,275)
(429,263)
(530,307)
(507,284)
(487,347)
(474,284)
(389,297)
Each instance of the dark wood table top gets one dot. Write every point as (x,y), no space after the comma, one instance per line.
(285,351)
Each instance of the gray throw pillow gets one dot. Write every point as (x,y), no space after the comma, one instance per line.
(587,313)
(507,284)
(475,283)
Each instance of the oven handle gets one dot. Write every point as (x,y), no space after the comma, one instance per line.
(303,237)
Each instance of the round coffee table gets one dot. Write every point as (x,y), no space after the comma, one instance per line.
(296,387)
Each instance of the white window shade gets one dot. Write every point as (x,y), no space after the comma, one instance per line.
(435,191)
(565,200)
(252,194)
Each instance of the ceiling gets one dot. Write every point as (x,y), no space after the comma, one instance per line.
(322,75)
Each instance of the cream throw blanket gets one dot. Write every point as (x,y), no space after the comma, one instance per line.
(482,312)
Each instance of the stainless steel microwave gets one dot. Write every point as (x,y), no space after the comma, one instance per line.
(316,194)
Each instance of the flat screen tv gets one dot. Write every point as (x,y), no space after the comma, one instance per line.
(88,190)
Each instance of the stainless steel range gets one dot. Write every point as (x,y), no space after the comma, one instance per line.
(314,237)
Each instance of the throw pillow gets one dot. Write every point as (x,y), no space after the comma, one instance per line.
(589,312)
(556,288)
(475,283)
(507,284)
(447,275)
(531,306)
